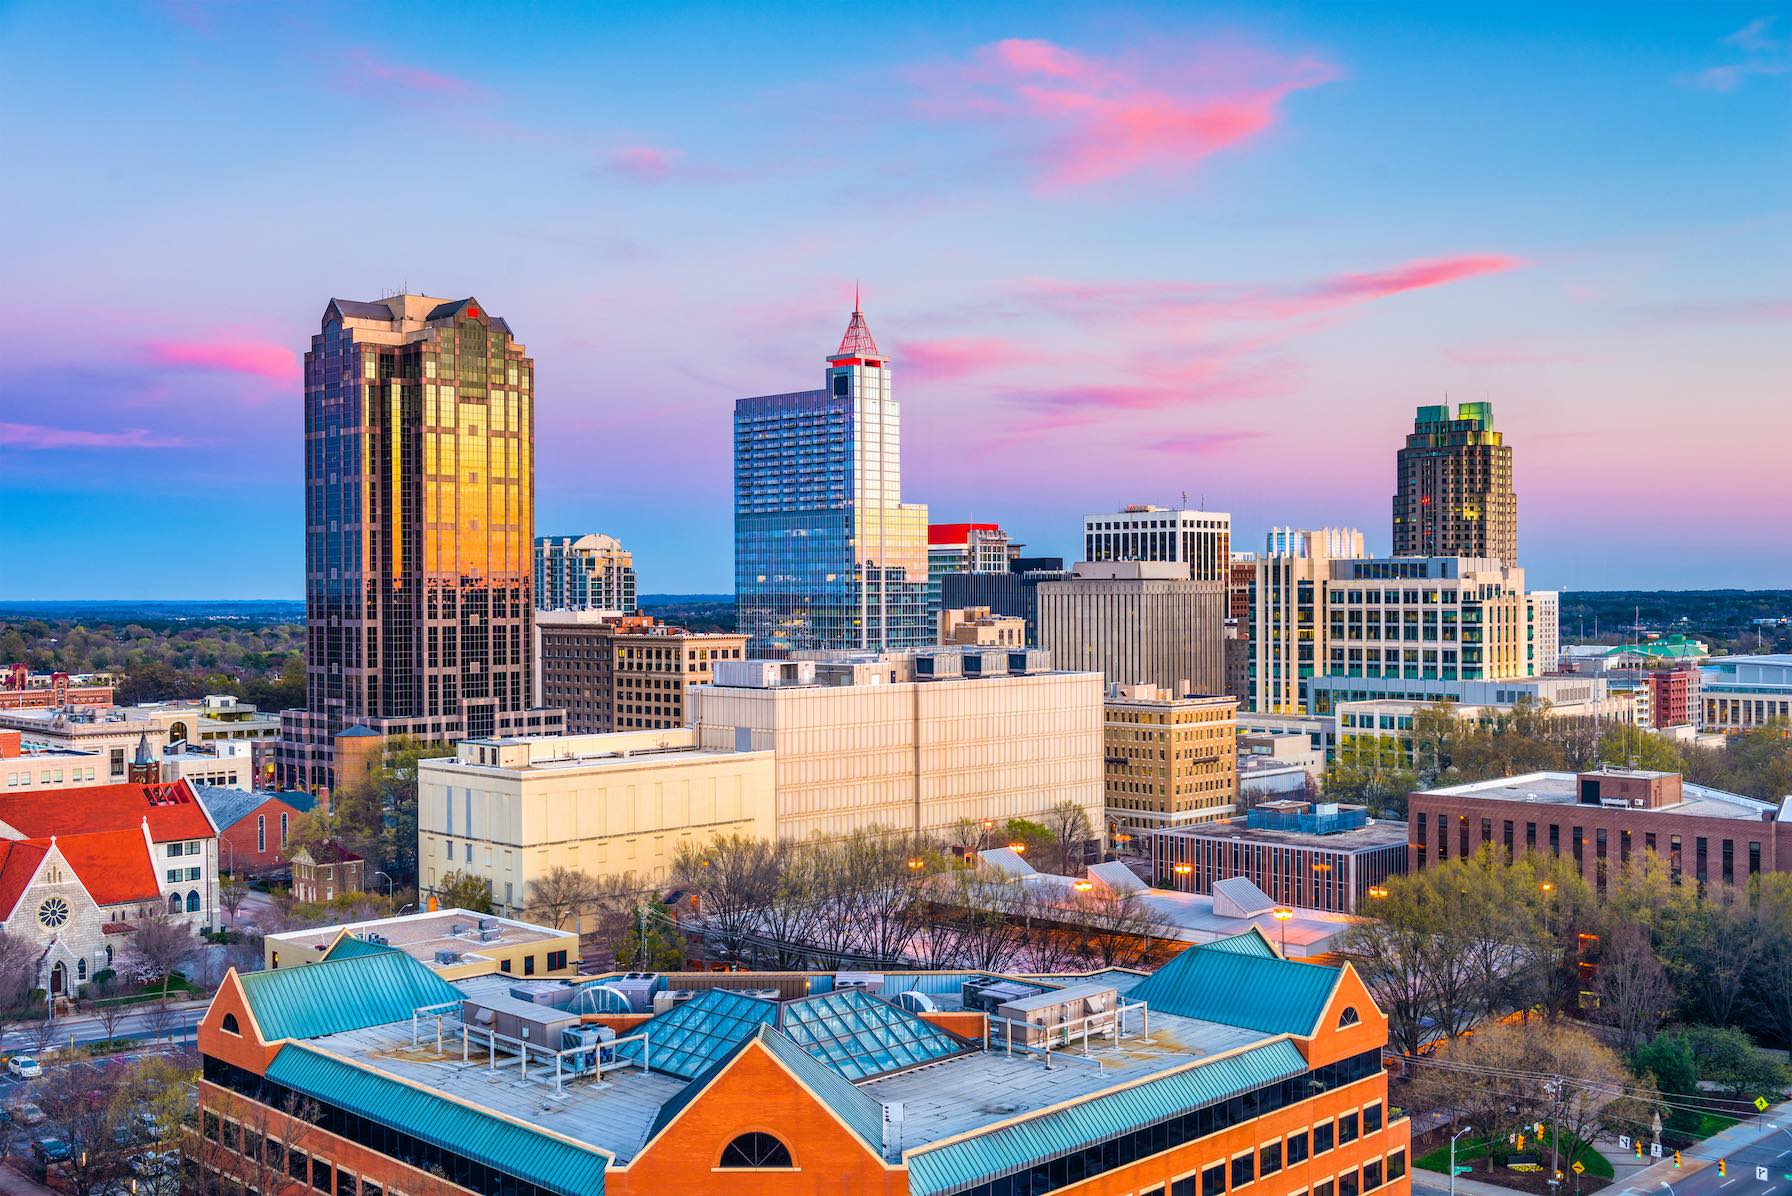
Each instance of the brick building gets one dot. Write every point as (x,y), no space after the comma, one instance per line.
(325,871)
(1259,1075)
(20,689)
(253,827)
(1604,820)
(623,673)
(1321,857)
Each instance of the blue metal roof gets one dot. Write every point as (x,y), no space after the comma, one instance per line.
(517,1149)
(1251,942)
(861,1036)
(1071,1128)
(347,946)
(686,1039)
(1226,985)
(311,1000)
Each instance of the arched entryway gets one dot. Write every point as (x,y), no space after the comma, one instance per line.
(58,979)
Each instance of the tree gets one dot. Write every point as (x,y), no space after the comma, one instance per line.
(87,1110)
(1726,1057)
(1710,946)
(1123,930)
(1072,837)
(245,1144)
(1667,1060)
(377,815)
(653,944)
(233,891)
(1770,981)
(18,974)
(561,893)
(1634,991)
(158,1020)
(1374,771)
(104,1006)
(159,945)
(733,878)
(463,890)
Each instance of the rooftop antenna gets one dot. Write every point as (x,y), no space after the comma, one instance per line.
(855,298)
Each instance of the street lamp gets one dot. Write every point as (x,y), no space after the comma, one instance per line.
(916,863)
(388,884)
(1465,1129)
(1018,848)
(1378,891)
(1282,914)
(1083,886)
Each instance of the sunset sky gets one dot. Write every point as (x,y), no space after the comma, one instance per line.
(1116,253)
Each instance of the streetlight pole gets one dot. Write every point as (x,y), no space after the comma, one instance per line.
(1465,1129)
(1282,914)
(388,885)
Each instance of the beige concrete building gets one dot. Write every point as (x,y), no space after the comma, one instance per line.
(1200,541)
(455,943)
(1287,613)
(508,810)
(912,741)
(1137,623)
(977,627)
(111,735)
(1171,761)
(612,672)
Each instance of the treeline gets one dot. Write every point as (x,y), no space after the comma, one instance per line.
(1722,618)
(260,663)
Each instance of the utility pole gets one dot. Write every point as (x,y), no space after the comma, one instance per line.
(1555,1129)
(1465,1129)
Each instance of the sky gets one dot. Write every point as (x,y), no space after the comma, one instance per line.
(1117,253)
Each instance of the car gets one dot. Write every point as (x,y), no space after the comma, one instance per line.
(150,1163)
(25,1113)
(51,1150)
(24,1067)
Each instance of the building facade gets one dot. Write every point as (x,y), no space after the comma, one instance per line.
(20,689)
(1454,493)
(623,673)
(419,527)
(1137,623)
(1170,760)
(509,811)
(1199,540)
(1323,857)
(979,627)
(1743,693)
(453,943)
(964,548)
(111,737)
(253,827)
(1012,594)
(826,553)
(1288,624)
(912,742)
(322,872)
(589,572)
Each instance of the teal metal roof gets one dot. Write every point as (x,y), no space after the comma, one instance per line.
(1251,942)
(312,1000)
(510,1146)
(861,1036)
(687,1039)
(1048,1135)
(348,946)
(1271,995)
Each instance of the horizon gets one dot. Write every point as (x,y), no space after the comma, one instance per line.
(1114,257)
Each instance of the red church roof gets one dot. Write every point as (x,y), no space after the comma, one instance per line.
(172,810)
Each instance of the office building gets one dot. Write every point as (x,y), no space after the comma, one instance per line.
(103,740)
(419,525)
(1605,821)
(20,689)
(1014,594)
(1673,697)
(1454,495)
(1743,693)
(1544,628)
(826,553)
(1201,541)
(218,719)
(1230,1067)
(1315,856)
(224,765)
(1288,624)
(1358,721)
(509,811)
(978,627)
(1171,759)
(912,742)
(1137,623)
(614,672)
(589,572)
(455,944)
(964,548)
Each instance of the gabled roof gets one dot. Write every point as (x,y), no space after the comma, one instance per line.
(328,852)
(347,946)
(172,810)
(311,1000)
(546,1160)
(228,807)
(1117,876)
(1007,861)
(19,860)
(861,1036)
(1047,1135)
(688,1038)
(113,866)
(1241,988)
(1251,942)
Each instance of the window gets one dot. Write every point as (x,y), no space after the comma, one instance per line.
(556,961)
(229,1024)
(756,1150)
(1297,1148)
(174,903)
(52,913)
(261,833)
(1348,1017)
(1347,1184)
(1347,1128)
(193,902)
(1182,1187)
(528,965)
(1243,1166)
(1396,1165)
(1371,1175)
(1371,1117)
(1213,1180)
(1323,1189)
(1269,1158)
(295,1164)
(1322,1137)
(504,965)
(283,828)
(80,969)
(320,1175)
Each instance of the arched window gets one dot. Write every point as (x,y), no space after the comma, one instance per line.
(228,1025)
(193,902)
(174,906)
(756,1150)
(177,732)
(81,969)
(108,954)
(1348,1017)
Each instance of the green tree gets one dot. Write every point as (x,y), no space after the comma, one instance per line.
(652,943)
(463,890)
(1372,770)
(1726,1057)
(377,815)
(1668,1061)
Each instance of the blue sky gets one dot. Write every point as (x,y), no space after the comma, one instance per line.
(1116,255)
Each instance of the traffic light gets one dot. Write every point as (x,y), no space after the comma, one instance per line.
(1723,1168)
(1676,1158)
(1639,1148)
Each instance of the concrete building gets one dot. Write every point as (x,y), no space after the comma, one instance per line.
(1673,697)
(21,689)
(1137,623)
(613,672)
(419,530)
(508,811)
(1544,618)
(1589,696)
(1604,821)
(1288,623)
(111,735)
(455,944)
(218,718)
(229,765)
(1200,541)
(964,548)
(1015,594)
(914,742)
(978,627)
(826,553)
(1277,764)
(1453,494)
(589,572)
(253,827)
(1315,856)
(34,766)
(1229,1067)
(1390,720)
(1741,693)
(1170,760)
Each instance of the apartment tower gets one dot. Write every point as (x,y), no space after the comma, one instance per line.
(1455,487)
(589,572)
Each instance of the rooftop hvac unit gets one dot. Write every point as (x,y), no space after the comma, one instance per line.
(490,934)
(1062,1015)
(930,665)
(591,1044)
(447,957)
(666,998)
(1029,660)
(376,938)
(986,996)
(484,923)
(638,988)
(916,1002)
(457,928)
(871,982)
(989,663)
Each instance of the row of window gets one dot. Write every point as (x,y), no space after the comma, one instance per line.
(48,776)
(265,1157)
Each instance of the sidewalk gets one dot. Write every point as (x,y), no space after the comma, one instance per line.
(14,1184)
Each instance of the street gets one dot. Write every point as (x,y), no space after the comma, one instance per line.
(181,1021)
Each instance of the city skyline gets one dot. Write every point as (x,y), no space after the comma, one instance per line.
(1115,259)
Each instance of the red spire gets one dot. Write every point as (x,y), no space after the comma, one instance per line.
(857,342)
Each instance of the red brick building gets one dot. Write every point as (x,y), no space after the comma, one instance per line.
(253,828)
(1672,697)
(20,691)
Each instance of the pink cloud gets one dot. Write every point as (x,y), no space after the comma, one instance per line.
(39,436)
(276,363)
(369,72)
(1412,277)
(652,165)
(1095,119)
(1199,443)
(941,360)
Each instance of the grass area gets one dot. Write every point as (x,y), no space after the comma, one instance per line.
(1713,1123)
(1469,1150)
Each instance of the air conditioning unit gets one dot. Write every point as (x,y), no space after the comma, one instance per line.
(1060,1016)
(986,996)
(871,982)
(447,957)
(667,998)
(916,1002)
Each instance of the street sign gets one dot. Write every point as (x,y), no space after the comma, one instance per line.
(1461,1170)
(1655,1150)
(1761,1174)
(1623,1141)
(1578,1167)
(1761,1104)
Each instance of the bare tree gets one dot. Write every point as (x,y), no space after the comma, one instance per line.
(245,1144)
(560,893)
(733,879)
(1072,836)
(1123,928)
(41,1034)
(159,946)
(104,1006)
(86,1109)
(158,1020)
(1634,991)
(233,891)
(18,973)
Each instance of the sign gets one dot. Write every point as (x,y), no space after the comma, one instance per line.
(1761,1104)
(1761,1174)
(1579,1167)
(1461,1170)
(1655,1150)
(1623,1141)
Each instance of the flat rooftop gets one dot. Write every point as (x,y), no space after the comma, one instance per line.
(1376,833)
(421,935)
(1562,789)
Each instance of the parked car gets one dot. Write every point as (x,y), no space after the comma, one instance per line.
(24,1067)
(24,1113)
(51,1150)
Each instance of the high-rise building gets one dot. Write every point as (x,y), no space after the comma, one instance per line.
(614,672)
(1455,487)
(826,553)
(1015,594)
(964,548)
(419,514)
(1287,637)
(590,572)
(1200,540)
(1172,760)
(1138,623)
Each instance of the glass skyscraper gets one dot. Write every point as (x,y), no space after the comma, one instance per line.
(826,553)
